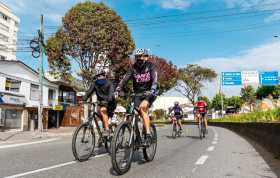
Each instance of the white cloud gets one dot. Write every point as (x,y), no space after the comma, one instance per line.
(257,5)
(265,57)
(175,4)
(171,4)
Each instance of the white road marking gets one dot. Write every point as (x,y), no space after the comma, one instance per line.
(50,167)
(201,160)
(214,142)
(28,143)
(41,170)
(210,148)
(215,139)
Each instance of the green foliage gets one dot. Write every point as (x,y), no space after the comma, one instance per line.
(194,76)
(89,30)
(264,91)
(258,116)
(159,114)
(248,95)
(235,101)
(216,101)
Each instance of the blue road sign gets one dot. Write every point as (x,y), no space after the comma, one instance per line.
(231,78)
(269,78)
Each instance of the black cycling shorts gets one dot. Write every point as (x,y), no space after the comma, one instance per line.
(139,99)
(110,105)
(178,117)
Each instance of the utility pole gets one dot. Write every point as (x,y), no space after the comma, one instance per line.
(38,51)
(41,59)
(221,94)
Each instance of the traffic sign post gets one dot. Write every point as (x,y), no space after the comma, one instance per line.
(269,78)
(231,78)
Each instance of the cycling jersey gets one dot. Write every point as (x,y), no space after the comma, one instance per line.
(144,78)
(177,110)
(104,90)
(201,106)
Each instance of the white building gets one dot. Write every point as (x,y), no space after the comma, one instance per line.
(167,100)
(19,95)
(8,33)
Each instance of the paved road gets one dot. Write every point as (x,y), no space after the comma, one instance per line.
(222,154)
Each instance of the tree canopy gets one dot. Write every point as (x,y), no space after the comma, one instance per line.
(91,34)
(193,77)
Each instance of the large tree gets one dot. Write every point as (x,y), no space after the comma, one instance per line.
(91,34)
(248,95)
(192,78)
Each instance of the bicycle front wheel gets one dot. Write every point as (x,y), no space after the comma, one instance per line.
(83,142)
(150,152)
(174,131)
(122,148)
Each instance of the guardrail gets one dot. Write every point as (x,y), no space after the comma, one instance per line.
(266,134)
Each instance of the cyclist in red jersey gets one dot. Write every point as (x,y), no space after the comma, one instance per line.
(201,108)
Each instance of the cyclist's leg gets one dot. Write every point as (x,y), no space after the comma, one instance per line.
(104,116)
(180,123)
(143,108)
(205,120)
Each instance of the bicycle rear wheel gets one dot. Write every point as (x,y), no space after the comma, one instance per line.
(83,142)
(200,130)
(122,148)
(174,131)
(150,152)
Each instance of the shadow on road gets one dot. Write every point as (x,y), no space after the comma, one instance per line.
(9,137)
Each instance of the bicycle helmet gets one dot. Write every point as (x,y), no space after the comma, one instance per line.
(141,52)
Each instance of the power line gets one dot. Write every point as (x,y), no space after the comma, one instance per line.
(198,34)
(200,12)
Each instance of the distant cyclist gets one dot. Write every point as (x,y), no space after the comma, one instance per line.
(201,109)
(105,95)
(178,113)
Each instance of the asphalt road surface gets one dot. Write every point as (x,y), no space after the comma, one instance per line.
(222,154)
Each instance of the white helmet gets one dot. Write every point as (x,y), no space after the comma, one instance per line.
(140,52)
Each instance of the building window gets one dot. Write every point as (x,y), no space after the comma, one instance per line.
(3,16)
(51,94)
(34,92)
(12,85)
(4,27)
(4,38)
(3,47)
(2,57)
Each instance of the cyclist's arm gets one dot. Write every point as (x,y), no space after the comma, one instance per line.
(111,91)
(89,92)
(125,79)
(154,77)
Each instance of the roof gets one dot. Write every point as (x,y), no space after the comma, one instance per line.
(26,66)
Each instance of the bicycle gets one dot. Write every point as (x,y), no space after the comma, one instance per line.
(175,128)
(201,126)
(84,135)
(128,138)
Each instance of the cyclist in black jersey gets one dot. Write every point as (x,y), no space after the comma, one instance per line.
(144,76)
(105,95)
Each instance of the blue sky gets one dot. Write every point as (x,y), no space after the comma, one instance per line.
(223,34)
